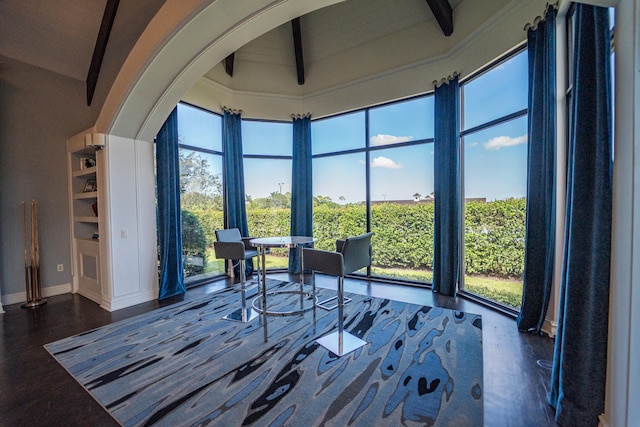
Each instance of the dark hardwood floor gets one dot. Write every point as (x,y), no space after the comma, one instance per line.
(36,391)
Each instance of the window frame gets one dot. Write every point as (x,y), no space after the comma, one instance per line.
(463,133)
(368,150)
(208,151)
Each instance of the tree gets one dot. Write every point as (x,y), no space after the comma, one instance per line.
(324,200)
(200,188)
(273,201)
(194,245)
(280,200)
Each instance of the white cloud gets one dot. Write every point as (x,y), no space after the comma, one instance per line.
(504,141)
(381,139)
(384,162)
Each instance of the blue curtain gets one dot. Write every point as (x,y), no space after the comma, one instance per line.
(446,259)
(301,191)
(168,214)
(580,356)
(541,179)
(235,210)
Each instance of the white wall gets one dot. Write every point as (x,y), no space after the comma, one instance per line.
(623,372)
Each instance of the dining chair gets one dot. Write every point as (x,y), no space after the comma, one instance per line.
(230,245)
(351,254)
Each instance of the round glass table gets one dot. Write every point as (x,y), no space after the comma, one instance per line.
(307,300)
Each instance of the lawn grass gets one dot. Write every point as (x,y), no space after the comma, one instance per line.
(504,291)
(501,290)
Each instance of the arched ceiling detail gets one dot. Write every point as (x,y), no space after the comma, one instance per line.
(187,39)
(178,47)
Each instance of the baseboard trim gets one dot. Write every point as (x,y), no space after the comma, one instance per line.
(604,422)
(130,300)
(49,291)
(550,328)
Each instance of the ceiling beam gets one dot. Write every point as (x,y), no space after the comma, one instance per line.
(101,46)
(228,64)
(441,9)
(297,47)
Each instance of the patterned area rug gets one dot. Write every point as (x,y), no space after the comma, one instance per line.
(184,365)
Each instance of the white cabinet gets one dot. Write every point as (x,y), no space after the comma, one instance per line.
(112,219)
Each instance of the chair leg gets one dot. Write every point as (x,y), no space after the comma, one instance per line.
(243,314)
(331,302)
(340,342)
(258,271)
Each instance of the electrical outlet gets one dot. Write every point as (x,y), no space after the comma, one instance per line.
(123,234)
(60,267)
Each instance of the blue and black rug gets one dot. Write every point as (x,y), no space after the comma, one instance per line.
(184,365)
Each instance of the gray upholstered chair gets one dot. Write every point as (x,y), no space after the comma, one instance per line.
(351,255)
(230,245)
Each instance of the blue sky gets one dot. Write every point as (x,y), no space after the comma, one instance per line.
(495,158)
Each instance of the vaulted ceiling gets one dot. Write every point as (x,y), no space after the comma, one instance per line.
(341,28)
(331,46)
(56,35)
(61,35)
(331,36)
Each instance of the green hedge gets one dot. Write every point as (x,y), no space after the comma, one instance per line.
(331,223)
(495,237)
(403,233)
(210,221)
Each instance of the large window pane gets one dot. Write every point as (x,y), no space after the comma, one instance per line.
(201,203)
(267,185)
(267,138)
(267,182)
(398,172)
(339,179)
(401,122)
(500,91)
(495,176)
(496,161)
(199,128)
(339,194)
(402,212)
(340,133)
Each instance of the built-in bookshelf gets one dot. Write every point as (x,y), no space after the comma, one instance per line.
(84,170)
(111,218)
